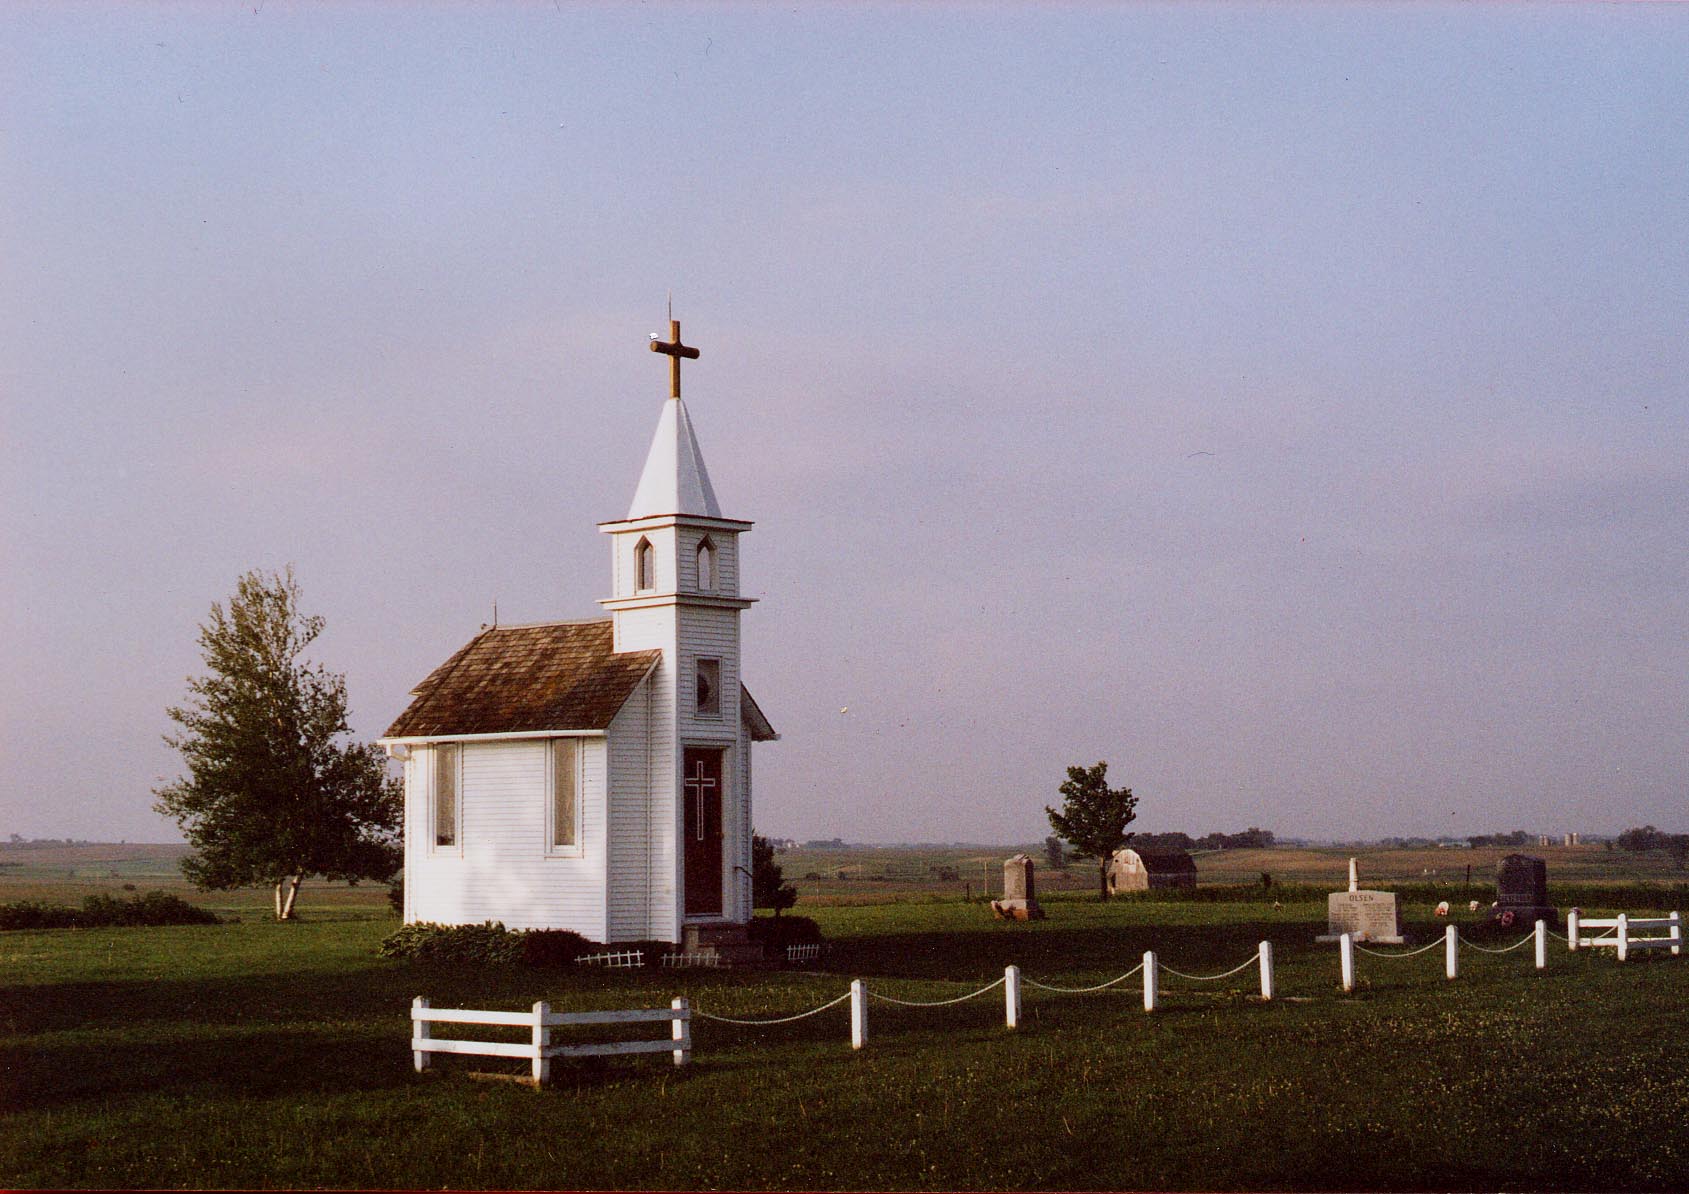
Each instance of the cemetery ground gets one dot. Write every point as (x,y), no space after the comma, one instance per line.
(265,1054)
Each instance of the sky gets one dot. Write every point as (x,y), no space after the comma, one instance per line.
(1285,404)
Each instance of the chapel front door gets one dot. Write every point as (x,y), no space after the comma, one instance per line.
(701,792)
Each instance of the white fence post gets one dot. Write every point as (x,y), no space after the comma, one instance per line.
(420,1032)
(1346,955)
(1676,935)
(682,1026)
(1542,945)
(1624,936)
(1011,995)
(1572,930)
(1152,982)
(1451,952)
(1266,970)
(858,1014)
(542,1038)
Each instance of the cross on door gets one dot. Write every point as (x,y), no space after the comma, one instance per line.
(698,786)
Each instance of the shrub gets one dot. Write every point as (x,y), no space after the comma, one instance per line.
(782,931)
(36,914)
(100,911)
(487,943)
(553,947)
(396,895)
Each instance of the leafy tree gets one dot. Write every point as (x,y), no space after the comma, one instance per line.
(768,886)
(1055,854)
(1639,839)
(273,794)
(1094,817)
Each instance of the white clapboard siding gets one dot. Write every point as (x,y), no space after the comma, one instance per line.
(646,907)
(502,870)
(631,830)
(726,559)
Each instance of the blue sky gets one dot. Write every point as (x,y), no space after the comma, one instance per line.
(1283,403)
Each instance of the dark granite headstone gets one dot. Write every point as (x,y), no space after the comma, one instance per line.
(1521,885)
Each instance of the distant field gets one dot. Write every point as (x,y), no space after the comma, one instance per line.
(855,874)
(870,874)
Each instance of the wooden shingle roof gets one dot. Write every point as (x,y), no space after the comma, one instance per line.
(520,679)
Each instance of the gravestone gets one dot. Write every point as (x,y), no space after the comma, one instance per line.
(1364,915)
(1521,886)
(1020,896)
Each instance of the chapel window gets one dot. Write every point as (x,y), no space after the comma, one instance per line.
(708,689)
(706,564)
(644,566)
(445,794)
(565,792)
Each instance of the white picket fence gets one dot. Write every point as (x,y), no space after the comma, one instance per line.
(540,1022)
(1623,926)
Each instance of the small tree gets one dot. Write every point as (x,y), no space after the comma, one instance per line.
(768,886)
(1054,854)
(1094,817)
(272,794)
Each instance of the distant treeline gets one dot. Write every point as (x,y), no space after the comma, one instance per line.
(18,842)
(1250,839)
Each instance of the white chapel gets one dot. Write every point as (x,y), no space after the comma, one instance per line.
(596,775)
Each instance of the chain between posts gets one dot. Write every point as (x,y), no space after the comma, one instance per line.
(782,1020)
(1032,982)
(872,994)
(1437,944)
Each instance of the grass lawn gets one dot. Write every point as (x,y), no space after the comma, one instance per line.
(275,1055)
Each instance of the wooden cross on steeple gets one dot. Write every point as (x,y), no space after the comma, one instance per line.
(674,349)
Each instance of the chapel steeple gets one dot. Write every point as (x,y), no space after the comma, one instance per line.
(674,547)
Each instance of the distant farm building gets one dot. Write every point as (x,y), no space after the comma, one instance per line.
(1141,870)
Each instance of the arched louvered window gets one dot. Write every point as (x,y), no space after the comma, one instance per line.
(644,566)
(706,565)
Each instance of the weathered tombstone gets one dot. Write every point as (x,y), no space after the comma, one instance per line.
(1521,885)
(1141,870)
(1020,897)
(1364,915)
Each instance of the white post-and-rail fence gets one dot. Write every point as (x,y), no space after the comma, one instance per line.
(540,1022)
(1622,926)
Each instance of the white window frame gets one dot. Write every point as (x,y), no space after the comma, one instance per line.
(455,849)
(552,849)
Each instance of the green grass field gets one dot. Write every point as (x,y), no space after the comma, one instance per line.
(261,1054)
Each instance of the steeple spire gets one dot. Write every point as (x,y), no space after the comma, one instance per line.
(675,480)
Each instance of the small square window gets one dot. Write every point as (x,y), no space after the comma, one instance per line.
(709,688)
